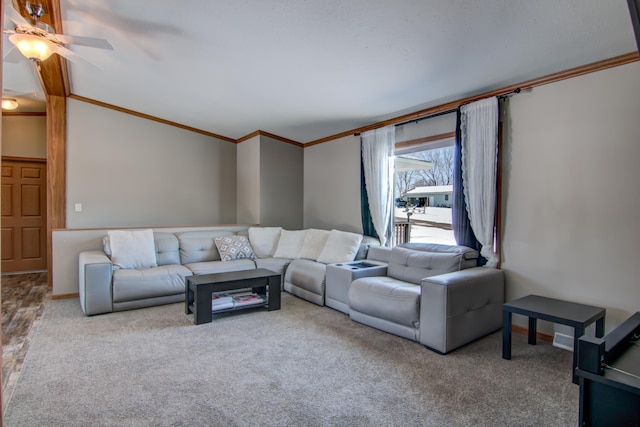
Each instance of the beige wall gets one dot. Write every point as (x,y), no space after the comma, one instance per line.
(332,185)
(281,184)
(24,136)
(571,201)
(127,171)
(248,181)
(270,183)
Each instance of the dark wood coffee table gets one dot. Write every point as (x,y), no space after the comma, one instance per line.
(578,316)
(198,290)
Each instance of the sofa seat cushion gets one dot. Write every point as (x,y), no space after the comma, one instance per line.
(277,265)
(306,274)
(209,267)
(386,298)
(133,284)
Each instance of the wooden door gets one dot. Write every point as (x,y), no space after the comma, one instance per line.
(24,216)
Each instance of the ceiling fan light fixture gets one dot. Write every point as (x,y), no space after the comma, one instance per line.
(33,47)
(9,104)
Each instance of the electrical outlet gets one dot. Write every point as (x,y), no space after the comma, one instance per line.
(78,207)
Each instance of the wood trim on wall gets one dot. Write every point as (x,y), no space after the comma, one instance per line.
(148,117)
(53,73)
(25,113)
(528,84)
(56,171)
(524,331)
(24,159)
(138,227)
(425,140)
(248,136)
(272,136)
(65,296)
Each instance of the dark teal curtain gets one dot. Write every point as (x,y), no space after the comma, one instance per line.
(367,223)
(459,218)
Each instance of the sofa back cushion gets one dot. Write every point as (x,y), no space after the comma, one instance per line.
(290,244)
(132,248)
(412,262)
(341,246)
(167,248)
(469,257)
(314,241)
(199,246)
(264,240)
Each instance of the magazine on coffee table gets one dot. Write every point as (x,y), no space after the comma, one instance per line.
(221,301)
(248,298)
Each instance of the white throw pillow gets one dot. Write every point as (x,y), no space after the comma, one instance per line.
(341,246)
(264,240)
(132,249)
(290,244)
(313,244)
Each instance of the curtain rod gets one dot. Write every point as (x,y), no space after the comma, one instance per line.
(430,116)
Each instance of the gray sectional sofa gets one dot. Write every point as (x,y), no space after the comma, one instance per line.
(105,287)
(433,294)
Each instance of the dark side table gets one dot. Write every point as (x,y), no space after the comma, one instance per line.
(578,316)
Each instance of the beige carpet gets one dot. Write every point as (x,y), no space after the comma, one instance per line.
(302,365)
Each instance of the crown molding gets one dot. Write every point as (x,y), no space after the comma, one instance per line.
(148,117)
(528,84)
(269,135)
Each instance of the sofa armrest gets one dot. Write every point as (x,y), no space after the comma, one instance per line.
(94,276)
(457,308)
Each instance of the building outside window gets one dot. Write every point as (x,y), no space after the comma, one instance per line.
(424,180)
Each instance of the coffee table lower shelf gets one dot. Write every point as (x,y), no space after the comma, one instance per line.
(199,290)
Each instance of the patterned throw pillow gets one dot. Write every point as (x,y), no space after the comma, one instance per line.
(234,247)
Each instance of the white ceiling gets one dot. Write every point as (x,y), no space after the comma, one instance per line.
(307,69)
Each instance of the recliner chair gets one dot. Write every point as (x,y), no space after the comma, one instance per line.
(433,294)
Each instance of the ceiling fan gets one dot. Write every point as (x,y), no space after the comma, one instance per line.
(38,40)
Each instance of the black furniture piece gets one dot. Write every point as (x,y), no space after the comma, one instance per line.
(609,373)
(578,316)
(198,290)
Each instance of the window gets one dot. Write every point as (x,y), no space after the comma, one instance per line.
(424,184)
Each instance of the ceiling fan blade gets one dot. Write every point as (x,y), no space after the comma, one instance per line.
(84,41)
(12,55)
(14,15)
(72,56)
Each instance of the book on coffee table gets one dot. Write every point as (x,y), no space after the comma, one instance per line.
(221,301)
(244,299)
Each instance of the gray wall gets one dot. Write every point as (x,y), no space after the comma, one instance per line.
(281,184)
(332,185)
(127,171)
(570,201)
(24,136)
(248,181)
(270,183)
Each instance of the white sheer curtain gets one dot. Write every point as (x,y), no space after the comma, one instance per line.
(479,129)
(378,147)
